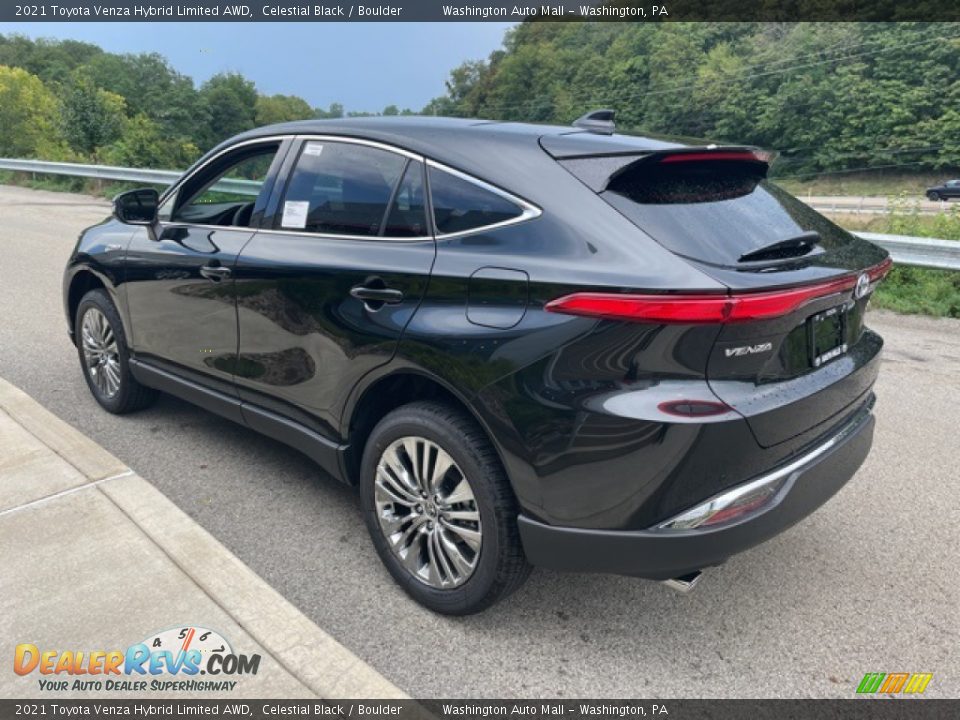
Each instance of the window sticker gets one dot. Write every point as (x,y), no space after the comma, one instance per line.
(313,148)
(295,213)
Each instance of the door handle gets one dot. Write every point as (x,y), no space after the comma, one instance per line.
(216,273)
(385,295)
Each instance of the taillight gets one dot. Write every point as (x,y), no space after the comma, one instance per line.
(704,308)
(879,272)
(718,155)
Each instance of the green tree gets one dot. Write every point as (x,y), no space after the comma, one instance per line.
(230,101)
(152,88)
(144,143)
(331,113)
(828,96)
(89,116)
(50,60)
(272,109)
(28,117)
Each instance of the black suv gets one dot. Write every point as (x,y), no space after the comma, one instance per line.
(949,189)
(525,344)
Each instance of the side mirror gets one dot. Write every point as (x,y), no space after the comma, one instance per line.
(137,207)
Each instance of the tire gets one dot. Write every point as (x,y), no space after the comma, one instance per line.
(933,196)
(105,356)
(498,566)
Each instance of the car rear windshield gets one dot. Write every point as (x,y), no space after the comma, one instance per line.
(715,211)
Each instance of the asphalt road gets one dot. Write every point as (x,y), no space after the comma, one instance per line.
(868,583)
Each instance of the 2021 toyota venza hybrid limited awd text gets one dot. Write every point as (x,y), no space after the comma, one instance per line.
(527,345)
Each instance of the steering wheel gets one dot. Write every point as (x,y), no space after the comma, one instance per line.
(241,216)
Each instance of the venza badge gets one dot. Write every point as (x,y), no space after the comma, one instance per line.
(749,349)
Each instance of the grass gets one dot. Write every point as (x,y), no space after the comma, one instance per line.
(904,218)
(920,291)
(873,184)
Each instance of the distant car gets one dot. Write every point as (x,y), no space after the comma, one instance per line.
(525,344)
(950,189)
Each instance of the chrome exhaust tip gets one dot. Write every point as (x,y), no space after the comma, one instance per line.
(685,583)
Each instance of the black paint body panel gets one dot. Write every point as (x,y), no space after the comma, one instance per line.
(661,556)
(571,404)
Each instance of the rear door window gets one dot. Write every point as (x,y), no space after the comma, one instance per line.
(460,204)
(341,188)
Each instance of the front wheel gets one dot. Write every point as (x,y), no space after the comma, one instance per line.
(105,357)
(933,196)
(440,510)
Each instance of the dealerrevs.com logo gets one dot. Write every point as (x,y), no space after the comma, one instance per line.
(169,661)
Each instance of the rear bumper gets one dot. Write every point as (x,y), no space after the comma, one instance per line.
(662,554)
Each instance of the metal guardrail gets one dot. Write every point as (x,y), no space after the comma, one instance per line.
(873,206)
(248,188)
(918,251)
(905,250)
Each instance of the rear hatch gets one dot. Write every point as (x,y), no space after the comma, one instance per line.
(794,356)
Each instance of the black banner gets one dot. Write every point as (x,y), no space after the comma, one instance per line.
(481,10)
(854,709)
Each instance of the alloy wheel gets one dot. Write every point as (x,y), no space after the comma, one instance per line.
(100,352)
(427,512)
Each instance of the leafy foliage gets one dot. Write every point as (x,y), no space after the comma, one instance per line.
(29,124)
(90,117)
(68,100)
(281,108)
(144,143)
(230,101)
(828,96)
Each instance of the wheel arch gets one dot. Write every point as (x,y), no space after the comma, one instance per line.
(391,391)
(83,279)
(82,282)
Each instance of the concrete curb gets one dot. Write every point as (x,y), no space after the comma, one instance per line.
(66,441)
(296,643)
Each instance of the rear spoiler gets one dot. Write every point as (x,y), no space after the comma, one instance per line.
(598,171)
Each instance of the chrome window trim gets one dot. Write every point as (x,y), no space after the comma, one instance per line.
(334,236)
(529,211)
(190,173)
(361,141)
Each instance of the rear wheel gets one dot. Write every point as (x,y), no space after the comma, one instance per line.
(105,357)
(440,511)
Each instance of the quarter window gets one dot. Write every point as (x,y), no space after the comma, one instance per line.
(460,205)
(340,189)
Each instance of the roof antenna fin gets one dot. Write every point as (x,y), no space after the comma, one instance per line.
(597,121)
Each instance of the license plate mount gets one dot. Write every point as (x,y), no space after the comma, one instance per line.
(826,335)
